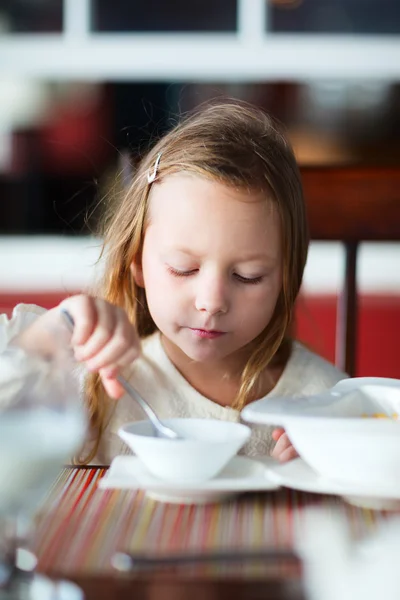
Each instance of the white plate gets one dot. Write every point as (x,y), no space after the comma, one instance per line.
(298,475)
(347,402)
(241,475)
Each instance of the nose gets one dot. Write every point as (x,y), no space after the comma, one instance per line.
(212,296)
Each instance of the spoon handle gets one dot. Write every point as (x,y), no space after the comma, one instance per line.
(142,403)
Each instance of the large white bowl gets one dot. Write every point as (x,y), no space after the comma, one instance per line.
(337,434)
(207,446)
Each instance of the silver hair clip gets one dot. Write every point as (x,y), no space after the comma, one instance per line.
(151,176)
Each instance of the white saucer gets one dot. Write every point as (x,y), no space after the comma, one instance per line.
(298,475)
(241,475)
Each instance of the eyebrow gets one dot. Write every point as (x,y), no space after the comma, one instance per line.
(252,258)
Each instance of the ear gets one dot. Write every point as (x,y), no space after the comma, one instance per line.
(137,271)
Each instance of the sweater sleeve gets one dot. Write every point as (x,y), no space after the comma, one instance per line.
(22,317)
(18,369)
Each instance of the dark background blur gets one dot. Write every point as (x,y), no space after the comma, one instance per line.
(61,139)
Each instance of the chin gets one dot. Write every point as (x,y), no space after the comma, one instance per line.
(204,354)
(203,357)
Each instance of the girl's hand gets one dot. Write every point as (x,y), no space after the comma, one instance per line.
(103,338)
(283,451)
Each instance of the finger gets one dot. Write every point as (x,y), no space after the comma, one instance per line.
(83,312)
(114,356)
(289,454)
(281,445)
(276,434)
(109,372)
(103,332)
(121,350)
(112,387)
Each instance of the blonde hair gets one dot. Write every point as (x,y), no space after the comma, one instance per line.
(239,145)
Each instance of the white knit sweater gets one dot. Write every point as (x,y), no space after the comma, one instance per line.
(168,392)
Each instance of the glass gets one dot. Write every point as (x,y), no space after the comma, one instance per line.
(334,16)
(42,425)
(161,16)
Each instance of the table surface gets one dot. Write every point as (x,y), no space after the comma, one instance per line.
(80,526)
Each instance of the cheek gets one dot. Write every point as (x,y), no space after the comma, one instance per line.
(259,309)
(162,291)
(153,272)
(258,306)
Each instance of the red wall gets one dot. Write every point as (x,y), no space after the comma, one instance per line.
(378,331)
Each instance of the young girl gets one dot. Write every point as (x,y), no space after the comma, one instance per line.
(204,260)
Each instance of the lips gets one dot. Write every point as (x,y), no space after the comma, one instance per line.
(207,333)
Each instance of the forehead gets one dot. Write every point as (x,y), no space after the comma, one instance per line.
(186,208)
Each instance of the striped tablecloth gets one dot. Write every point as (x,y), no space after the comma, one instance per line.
(80,526)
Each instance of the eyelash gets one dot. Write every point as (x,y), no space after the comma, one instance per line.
(239,278)
(180,273)
(252,281)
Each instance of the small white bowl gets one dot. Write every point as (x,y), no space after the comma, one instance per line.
(336,433)
(207,445)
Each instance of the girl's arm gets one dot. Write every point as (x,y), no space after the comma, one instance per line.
(103,339)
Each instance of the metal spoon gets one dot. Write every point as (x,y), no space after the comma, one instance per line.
(160,429)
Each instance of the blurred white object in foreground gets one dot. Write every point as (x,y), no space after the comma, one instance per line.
(338,568)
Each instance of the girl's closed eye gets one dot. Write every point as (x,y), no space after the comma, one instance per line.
(239,278)
(181,272)
(250,280)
